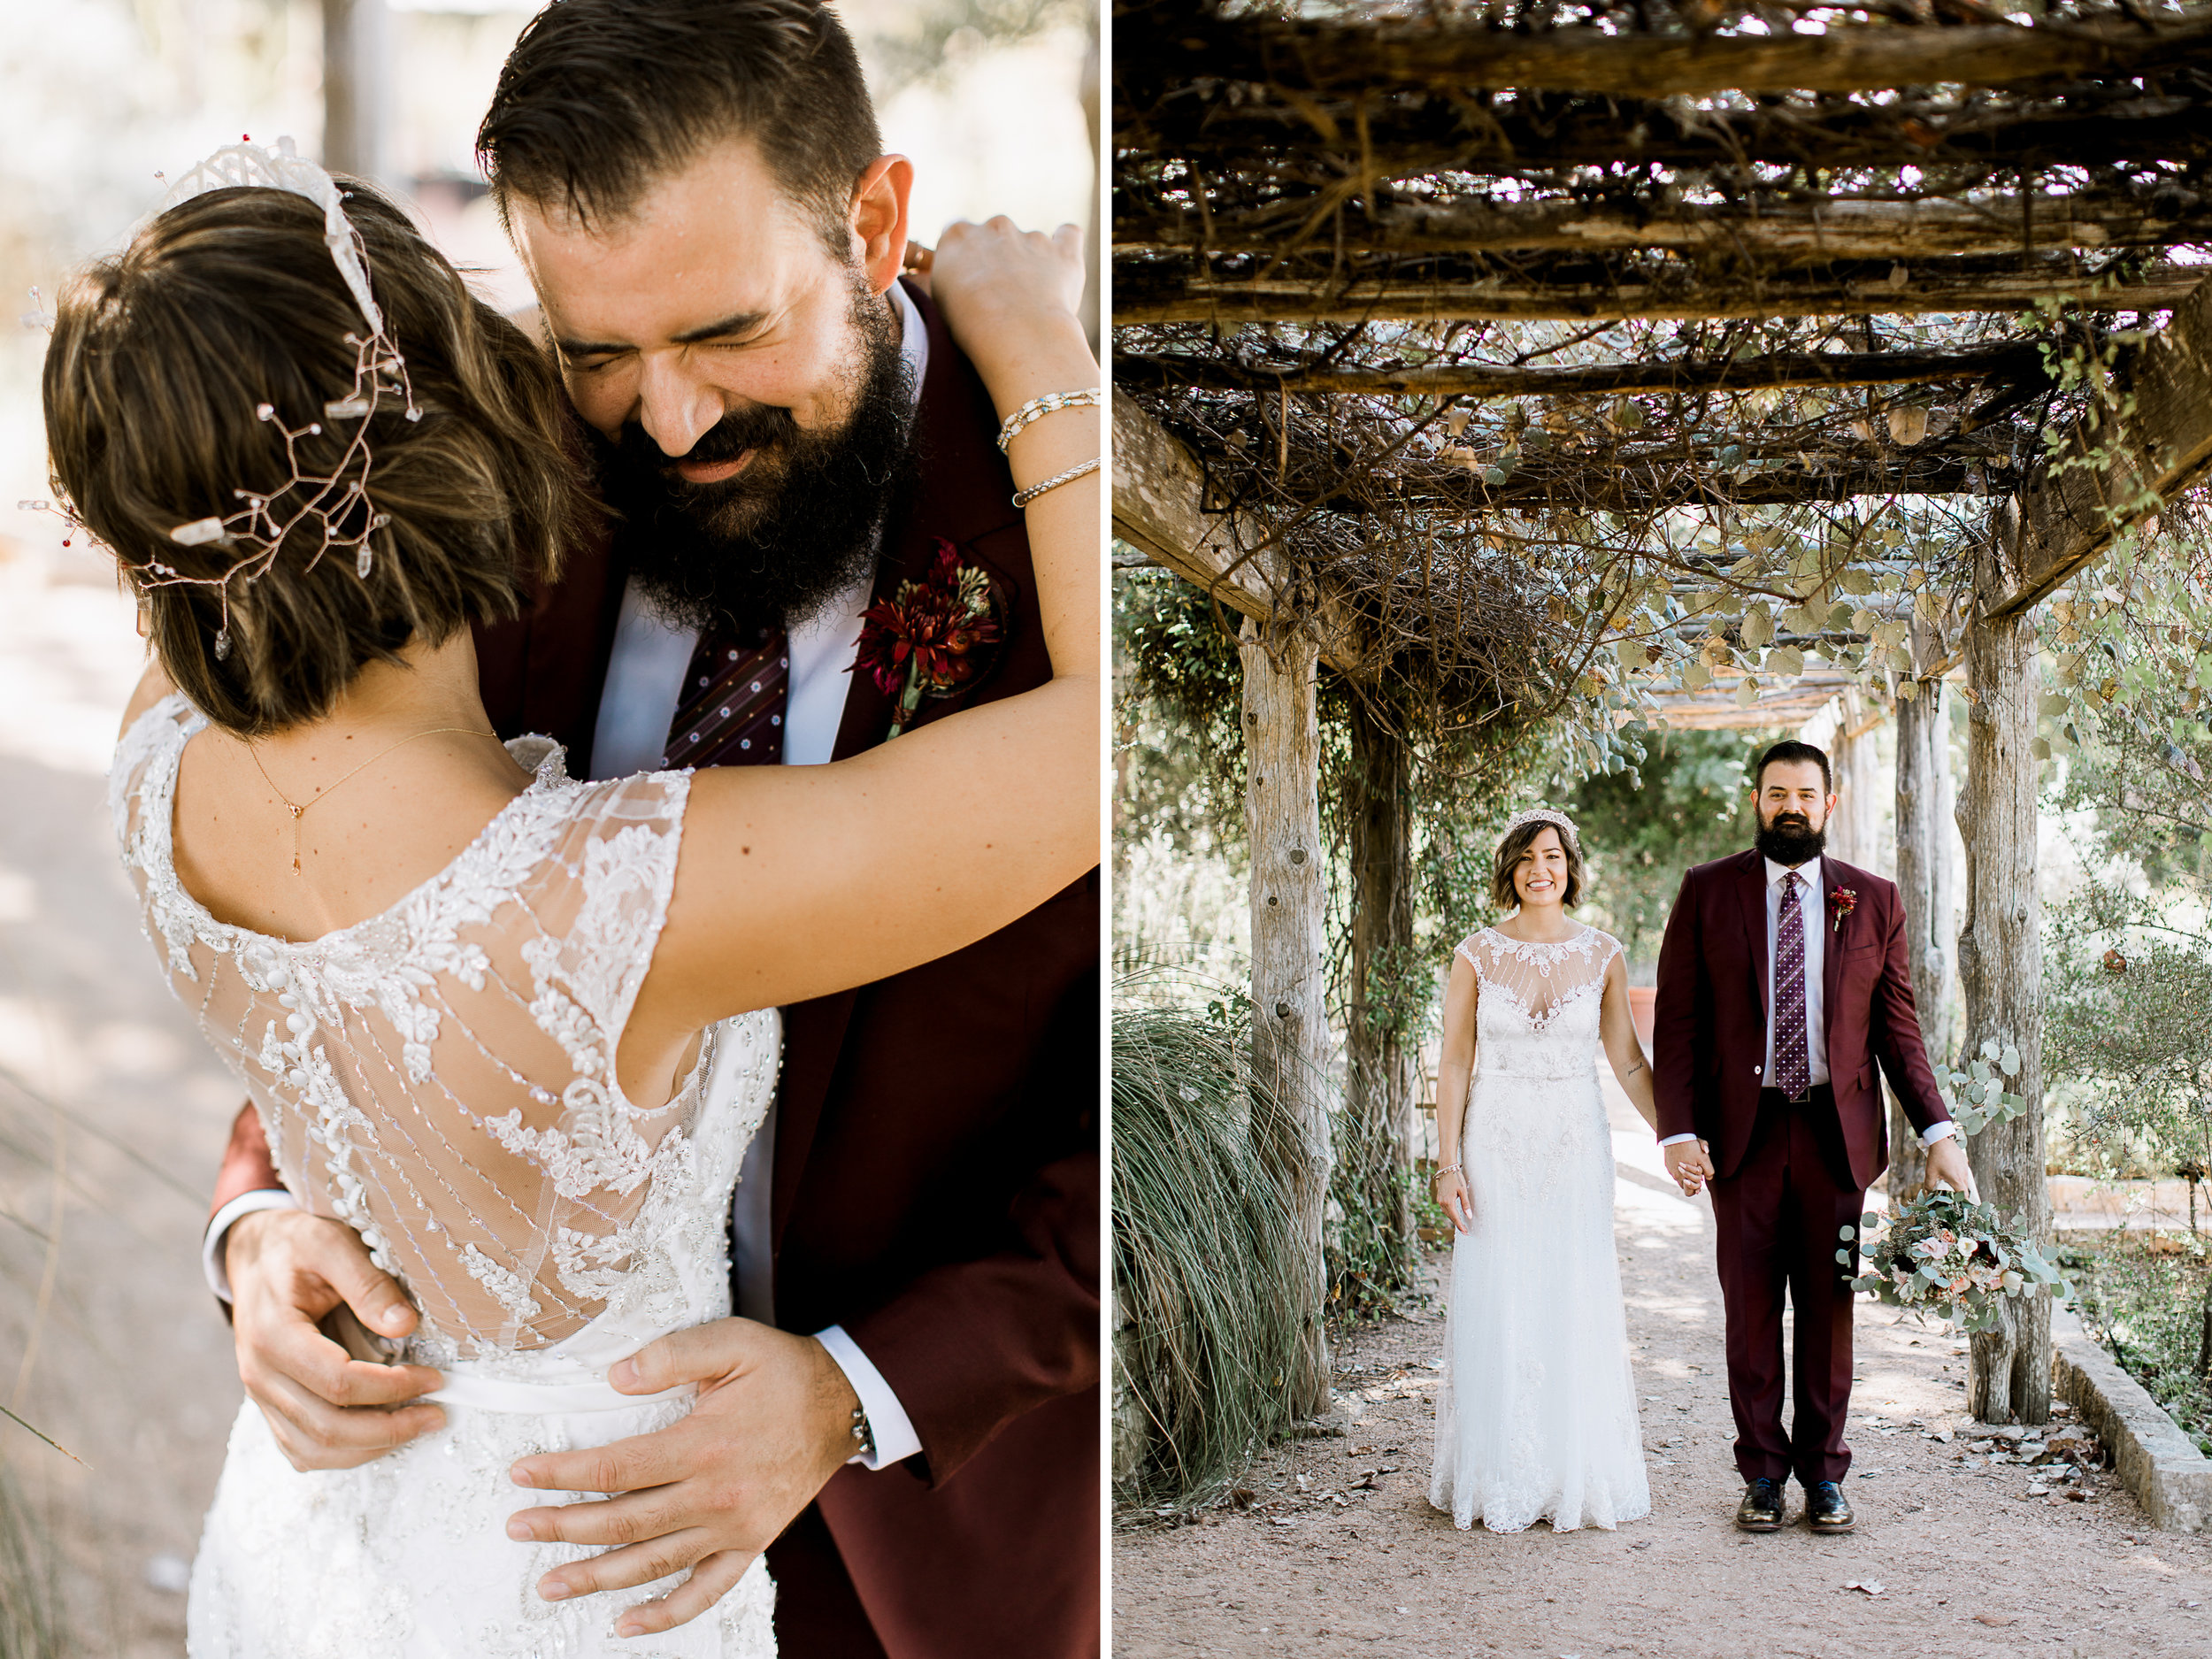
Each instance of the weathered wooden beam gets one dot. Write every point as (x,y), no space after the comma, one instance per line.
(1225,128)
(1462,52)
(1159,491)
(1148,289)
(1164,370)
(1767,234)
(1290,1016)
(2120,466)
(2000,973)
(1159,509)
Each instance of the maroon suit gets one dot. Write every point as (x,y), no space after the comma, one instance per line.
(1787,1176)
(935,1189)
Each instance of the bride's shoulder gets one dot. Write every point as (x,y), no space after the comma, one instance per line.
(1469,946)
(1602,945)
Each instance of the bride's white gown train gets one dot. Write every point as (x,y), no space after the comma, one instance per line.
(1536,1420)
(442,1078)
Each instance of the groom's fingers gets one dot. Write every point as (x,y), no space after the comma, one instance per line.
(626,1569)
(710,1581)
(631,1466)
(314,1434)
(297,1350)
(632,1518)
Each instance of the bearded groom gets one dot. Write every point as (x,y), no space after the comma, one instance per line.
(1783,984)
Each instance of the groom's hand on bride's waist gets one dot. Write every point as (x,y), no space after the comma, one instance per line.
(288,1270)
(772,1423)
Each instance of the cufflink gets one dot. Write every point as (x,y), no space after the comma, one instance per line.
(864,1432)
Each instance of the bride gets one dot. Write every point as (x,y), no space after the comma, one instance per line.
(475,1002)
(1536,1417)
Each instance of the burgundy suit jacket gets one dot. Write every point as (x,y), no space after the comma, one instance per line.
(1709,1024)
(937,1162)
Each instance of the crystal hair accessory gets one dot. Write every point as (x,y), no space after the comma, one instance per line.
(1545,815)
(336,501)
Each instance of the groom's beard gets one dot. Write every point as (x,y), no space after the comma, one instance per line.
(796,527)
(1790,839)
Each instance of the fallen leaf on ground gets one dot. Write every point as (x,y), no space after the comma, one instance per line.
(1995,1618)
(1867,1586)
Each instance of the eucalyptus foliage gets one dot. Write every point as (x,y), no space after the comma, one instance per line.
(1944,1254)
(1204,1249)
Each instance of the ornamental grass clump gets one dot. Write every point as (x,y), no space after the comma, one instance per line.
(1943,1253)
(1204,1246)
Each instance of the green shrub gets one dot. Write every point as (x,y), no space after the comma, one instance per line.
(1204,1245)
(2148,1300)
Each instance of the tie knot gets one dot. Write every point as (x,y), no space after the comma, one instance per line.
(1790,881)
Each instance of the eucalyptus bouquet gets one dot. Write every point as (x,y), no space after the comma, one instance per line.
(1943,1253)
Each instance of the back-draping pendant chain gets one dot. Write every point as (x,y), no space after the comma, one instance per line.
(298,809)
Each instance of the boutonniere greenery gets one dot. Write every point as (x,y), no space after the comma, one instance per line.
(931,639)
(1841,903)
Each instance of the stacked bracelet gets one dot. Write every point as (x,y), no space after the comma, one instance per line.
(1025,496)
(1448,1168)
(1038,407)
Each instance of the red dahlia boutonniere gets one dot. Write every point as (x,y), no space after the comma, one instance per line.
(1841,903)
(928,638)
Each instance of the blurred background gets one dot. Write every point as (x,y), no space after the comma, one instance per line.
(112,1117)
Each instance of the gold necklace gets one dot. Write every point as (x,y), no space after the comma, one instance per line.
(298,809)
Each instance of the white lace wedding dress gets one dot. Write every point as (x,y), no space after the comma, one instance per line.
(1536,1420)
(440,1078)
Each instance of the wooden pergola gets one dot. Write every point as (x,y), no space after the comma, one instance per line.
(1352,252)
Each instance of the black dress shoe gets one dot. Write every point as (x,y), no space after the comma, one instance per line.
(1760,1510)
(1826,1510)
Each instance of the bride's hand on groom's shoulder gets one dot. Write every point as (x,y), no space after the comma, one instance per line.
(1007,293)
(772,1423)
(289,1270)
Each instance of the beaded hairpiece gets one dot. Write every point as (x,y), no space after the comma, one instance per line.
(327,499)
(1545,815)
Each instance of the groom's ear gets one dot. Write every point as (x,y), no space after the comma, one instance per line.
(878,220)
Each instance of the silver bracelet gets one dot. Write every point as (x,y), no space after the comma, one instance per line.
(1036,407)
(1442,1170)
(1025,497)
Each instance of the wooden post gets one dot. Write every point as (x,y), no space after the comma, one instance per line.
(2001,970)
(1852,832)
(356,55)
(1379,1074)
(1923,879)
(1290,1023)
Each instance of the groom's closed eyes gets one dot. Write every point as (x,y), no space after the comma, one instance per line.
(589,356)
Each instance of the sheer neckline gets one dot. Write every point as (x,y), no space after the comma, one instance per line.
(544,759)
(1572,942)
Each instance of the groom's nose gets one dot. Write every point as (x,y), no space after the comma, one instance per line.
(676,409)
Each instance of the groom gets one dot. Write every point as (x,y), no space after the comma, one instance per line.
(905,1416)
(1783,983)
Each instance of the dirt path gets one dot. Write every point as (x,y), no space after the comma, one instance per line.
(1339,1552)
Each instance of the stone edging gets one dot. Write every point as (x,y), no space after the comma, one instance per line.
(2155,1460)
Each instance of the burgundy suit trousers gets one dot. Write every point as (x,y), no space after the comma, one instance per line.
(1779,1217)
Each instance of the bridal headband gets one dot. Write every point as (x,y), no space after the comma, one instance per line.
(325,500)
(1545,815)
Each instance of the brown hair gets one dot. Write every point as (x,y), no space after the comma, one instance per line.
(1519,841)
(159,358)
(600,98)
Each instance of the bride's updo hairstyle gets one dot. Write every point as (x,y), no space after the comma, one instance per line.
(1517,841)
(161,356)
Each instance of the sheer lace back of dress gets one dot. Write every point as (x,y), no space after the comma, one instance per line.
(441,1077)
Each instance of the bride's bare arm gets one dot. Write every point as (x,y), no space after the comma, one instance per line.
(794,881)
(1453,1069)
(1616,1029)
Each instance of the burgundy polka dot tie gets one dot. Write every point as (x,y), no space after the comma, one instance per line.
(731,711)
(1793,1061)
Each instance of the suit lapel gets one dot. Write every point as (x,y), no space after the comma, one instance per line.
(957,491)
(1830,949)
(1751,891)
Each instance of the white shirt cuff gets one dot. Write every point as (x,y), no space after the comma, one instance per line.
(1676,1140)
(211,1243)
(894,1436)
(1937,1132)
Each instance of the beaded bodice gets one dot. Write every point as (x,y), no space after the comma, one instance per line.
(1537,1006)
(442,1076)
